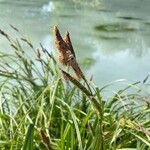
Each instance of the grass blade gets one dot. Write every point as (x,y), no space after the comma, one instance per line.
(28,144)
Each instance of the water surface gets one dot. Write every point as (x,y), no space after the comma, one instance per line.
(111,38)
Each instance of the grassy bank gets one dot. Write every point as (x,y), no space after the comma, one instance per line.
(39,109)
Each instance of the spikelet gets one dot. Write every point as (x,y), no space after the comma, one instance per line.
(61,46)
(45,139)
(5,34)
(69,44)
(73,61)
(38,54)
(66,52)
(77,69)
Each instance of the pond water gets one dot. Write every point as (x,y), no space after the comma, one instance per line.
(111,38)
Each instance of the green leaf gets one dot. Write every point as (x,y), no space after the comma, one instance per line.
(141,138)
(127,149)
(28,144)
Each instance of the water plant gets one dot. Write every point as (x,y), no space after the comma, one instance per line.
(42,106)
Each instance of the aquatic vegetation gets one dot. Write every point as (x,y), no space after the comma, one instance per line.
(41,110)
(109,37)
(129,18)
(147,23)
(115,27)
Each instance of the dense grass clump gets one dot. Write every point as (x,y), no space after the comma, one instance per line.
(41,110)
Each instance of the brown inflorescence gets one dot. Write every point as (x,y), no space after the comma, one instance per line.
(66,52)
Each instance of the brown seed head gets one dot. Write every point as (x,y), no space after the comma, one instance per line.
(66,52)
(57,34)
(61,46)
(69,43)
(77,70)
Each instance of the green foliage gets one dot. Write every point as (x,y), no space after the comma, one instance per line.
(28,144)
(39,110)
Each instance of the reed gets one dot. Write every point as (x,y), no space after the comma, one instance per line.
(67,54)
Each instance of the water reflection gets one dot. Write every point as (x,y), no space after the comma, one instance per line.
(113,35)
(48,7)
